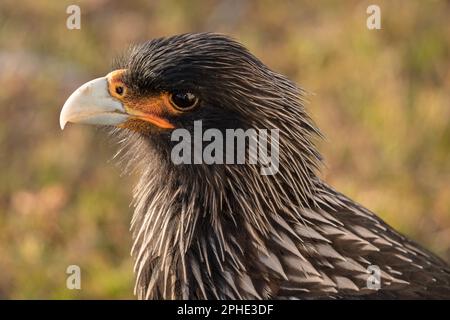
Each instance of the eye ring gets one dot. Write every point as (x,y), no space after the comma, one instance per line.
(183,100)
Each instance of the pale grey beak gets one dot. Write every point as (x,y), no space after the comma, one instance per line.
(92,104)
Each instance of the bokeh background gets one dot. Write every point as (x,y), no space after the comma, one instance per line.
(382,99)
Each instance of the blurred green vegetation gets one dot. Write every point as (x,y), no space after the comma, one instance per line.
(381,98)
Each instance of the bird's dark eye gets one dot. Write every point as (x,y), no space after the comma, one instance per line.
(119,90)
(183,100)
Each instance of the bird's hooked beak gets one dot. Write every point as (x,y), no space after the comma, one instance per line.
(104,101)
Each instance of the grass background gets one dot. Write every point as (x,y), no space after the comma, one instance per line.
(380,97)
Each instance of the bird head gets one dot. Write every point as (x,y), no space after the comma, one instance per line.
(169,83)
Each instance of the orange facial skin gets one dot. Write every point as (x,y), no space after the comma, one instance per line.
(152,109)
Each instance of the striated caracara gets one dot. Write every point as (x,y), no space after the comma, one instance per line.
(227,231)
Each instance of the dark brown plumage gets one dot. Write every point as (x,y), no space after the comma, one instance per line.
(226,231)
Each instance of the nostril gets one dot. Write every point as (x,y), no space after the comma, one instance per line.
(119,90)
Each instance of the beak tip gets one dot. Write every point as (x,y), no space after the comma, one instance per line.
(62,119)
